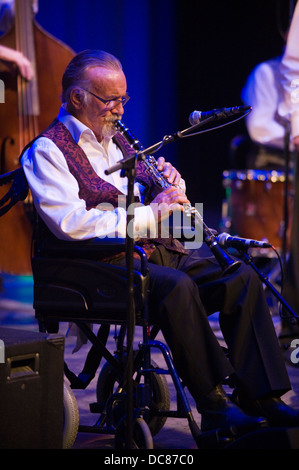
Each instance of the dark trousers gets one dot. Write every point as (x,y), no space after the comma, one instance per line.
(184,290)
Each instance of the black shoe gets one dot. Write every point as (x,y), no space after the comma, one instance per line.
(218,412)
(278,413)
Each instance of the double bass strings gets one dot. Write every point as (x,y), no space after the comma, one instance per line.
(28,99)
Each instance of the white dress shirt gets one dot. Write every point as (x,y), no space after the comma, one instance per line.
(262,91)
(55,190)
(289,77)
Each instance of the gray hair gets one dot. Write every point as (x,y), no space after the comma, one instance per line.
(74,73)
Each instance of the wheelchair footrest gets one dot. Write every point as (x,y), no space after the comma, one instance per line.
(214,439)
(95,429)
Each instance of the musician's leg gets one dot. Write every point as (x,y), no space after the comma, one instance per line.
(176,306)
(246,324)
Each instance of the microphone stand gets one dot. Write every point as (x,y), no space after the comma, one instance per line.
(168,139)
(248,260)
(128,169)
(127,166)
(286,195)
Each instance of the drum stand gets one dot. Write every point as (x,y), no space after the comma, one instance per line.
(274,273)
(286,194)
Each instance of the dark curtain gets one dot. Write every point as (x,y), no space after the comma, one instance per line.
(142,34)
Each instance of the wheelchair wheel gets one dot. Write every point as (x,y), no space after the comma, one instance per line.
(70,417)
(141,439)
(107,385)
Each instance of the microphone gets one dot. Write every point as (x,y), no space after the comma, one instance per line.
(224,239)
(221,113)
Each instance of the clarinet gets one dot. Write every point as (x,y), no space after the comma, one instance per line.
(227,263)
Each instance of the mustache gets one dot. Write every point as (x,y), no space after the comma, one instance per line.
(113,119)
(109,128)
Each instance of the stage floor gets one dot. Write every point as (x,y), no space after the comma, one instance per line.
(16,311)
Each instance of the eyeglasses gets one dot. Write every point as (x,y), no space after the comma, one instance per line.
(110,104)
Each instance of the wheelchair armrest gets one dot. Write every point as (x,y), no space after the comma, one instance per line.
(87,249)
(54,247)
(17,192)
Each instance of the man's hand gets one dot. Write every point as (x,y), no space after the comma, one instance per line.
(168,201)
(168,171)
(24,65)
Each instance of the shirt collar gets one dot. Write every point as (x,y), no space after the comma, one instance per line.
(75,127)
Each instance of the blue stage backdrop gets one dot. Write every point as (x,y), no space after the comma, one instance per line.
(142,34)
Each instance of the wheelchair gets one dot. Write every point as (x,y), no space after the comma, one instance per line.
(71,286)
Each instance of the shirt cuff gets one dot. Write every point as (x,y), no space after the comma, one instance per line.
(144,223)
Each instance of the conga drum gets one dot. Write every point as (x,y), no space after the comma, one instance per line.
(255,201)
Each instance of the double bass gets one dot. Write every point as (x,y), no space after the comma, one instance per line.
(28,108)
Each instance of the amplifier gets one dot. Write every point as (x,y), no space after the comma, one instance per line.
(31,390)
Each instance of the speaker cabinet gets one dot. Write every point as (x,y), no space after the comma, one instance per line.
(31,390)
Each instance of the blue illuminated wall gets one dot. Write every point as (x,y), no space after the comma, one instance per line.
(142,34)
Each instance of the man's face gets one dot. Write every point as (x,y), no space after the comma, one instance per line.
(108,84)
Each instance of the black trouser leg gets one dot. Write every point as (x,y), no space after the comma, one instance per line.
(246,325)
(176,306)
